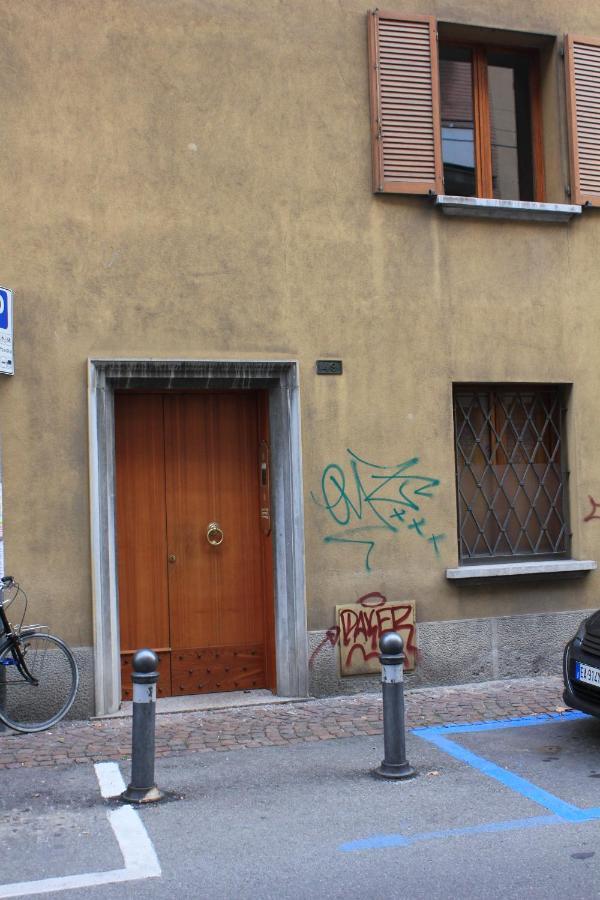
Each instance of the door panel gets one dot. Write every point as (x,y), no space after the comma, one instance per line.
(237,510)
(183,461)
(217,669)
(141,529)
(192,576)
(217,594)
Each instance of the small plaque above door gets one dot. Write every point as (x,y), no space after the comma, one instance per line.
(329,367)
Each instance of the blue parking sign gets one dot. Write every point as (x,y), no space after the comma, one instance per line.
(7,362)
(4,305)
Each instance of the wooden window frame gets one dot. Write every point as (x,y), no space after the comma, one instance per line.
(482,117)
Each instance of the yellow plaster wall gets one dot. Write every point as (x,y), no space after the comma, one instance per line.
(182,178)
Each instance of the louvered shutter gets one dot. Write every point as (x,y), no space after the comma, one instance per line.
(582,65)
(405,105)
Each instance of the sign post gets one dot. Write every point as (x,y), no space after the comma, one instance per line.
(7,363)
(7,367)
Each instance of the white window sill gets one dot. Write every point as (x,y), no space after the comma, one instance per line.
(563,568)
(506,209)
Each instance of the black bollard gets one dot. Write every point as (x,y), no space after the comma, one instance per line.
(394,764)
(142,788)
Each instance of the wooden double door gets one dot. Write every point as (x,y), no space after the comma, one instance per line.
(193,538)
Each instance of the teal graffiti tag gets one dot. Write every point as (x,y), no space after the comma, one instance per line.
(367,498)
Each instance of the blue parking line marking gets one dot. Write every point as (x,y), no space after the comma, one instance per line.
(437,735)
(382,841)
(515,782)
(495,724)
(562,813)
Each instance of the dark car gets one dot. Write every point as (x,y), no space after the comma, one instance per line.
(581,667)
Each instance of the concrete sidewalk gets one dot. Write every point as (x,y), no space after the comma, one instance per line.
(280,724)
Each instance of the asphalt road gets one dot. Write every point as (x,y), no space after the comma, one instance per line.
(505,812)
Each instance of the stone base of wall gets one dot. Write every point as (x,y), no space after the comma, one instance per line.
(83,707)
(33,702)
(460,651)
(455,652)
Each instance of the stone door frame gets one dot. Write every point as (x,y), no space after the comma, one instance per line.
(280,379)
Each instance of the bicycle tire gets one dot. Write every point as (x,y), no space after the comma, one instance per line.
(28,707)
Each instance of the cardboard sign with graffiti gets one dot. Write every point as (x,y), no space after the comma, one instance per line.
(360,626)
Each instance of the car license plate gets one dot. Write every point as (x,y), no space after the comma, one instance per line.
(588,674)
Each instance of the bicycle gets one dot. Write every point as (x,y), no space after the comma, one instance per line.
(38,672)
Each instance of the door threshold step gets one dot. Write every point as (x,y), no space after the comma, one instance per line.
(205,702)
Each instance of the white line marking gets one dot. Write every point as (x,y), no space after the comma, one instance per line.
(110,779)
(136,846)
(68,882)
(139,855)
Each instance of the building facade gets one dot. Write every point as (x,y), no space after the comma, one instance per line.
(304,317)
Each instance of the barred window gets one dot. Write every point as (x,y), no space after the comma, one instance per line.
(510,472)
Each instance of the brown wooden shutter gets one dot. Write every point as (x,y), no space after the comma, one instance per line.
(405,103)
(582,66)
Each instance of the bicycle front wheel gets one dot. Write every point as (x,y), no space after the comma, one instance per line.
(35,707)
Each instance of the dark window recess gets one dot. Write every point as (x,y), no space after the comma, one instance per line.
(458,125)
(487,122)
(510,472)
(510,124)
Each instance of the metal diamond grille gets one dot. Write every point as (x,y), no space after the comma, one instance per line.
(509,471)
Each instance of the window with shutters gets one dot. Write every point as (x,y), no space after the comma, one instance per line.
(510,472)
(463,117)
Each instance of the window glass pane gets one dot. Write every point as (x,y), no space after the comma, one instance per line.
(510,122)
(458,143)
